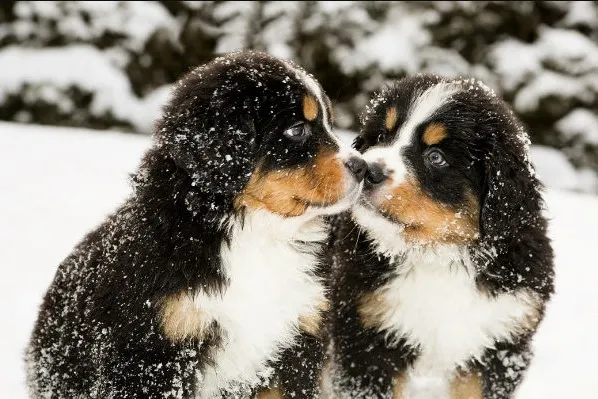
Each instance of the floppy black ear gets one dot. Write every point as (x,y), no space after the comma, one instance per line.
(219,161)
(513,229)
(212,143)
(511,192)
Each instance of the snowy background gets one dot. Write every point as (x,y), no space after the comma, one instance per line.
(81,84)
(109,65)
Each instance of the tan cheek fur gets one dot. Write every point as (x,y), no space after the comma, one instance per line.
(289,192)
(427,221)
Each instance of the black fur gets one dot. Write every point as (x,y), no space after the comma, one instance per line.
(488,158)
(98,332)
(299,375)
(361,356)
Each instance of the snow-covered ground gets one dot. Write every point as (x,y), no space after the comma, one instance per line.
(58,183)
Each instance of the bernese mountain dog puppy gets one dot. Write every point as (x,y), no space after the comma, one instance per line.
(443,268)
(207,282)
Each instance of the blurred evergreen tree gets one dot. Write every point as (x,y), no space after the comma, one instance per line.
(540,56)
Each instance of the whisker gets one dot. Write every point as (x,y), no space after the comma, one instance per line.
(357,240)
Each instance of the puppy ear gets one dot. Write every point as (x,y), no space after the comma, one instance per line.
(511,196)
(216,149)
(514,243)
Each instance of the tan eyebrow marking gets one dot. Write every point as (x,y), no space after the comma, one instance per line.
(434,133)
(310,107)
(391,118)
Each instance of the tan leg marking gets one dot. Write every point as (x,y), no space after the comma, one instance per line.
(269,393)
(398,386)
(467,385)
(182,319)
(311,323)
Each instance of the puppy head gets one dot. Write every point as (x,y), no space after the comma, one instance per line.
(253,132)
(447,165)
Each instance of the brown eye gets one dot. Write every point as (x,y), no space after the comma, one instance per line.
(298,132)
(436,159)
(380,138)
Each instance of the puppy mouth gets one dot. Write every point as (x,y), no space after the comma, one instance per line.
(366,203)
(355,193)
(352,197)
(314,204)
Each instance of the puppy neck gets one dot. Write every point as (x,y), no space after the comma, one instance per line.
(276,228)
(387,240)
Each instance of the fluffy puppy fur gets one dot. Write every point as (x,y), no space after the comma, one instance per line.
(443,268)
(207,282)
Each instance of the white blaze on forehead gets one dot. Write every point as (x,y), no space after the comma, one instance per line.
(422,107)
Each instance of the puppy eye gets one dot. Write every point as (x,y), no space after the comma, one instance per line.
(436,158)
(380,138)
(298,132)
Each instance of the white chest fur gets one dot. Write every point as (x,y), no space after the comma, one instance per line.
(435,305)
(271,285)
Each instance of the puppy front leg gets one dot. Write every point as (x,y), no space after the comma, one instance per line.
(505,367)
(148,370)
(298,372)
(300,368)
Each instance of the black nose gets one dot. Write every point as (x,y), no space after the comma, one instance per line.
(375,174)
(357,166)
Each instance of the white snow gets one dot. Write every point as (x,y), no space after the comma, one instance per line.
(514,62)
(581,123)
(555,170)
(399,39)
(581,12)
(236,28)
(78,65)
(150,107)
(135,21)
(565,365)
(58,183)
(568,50)
(51,71)
(551,84)
(278,34)
(572,61)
